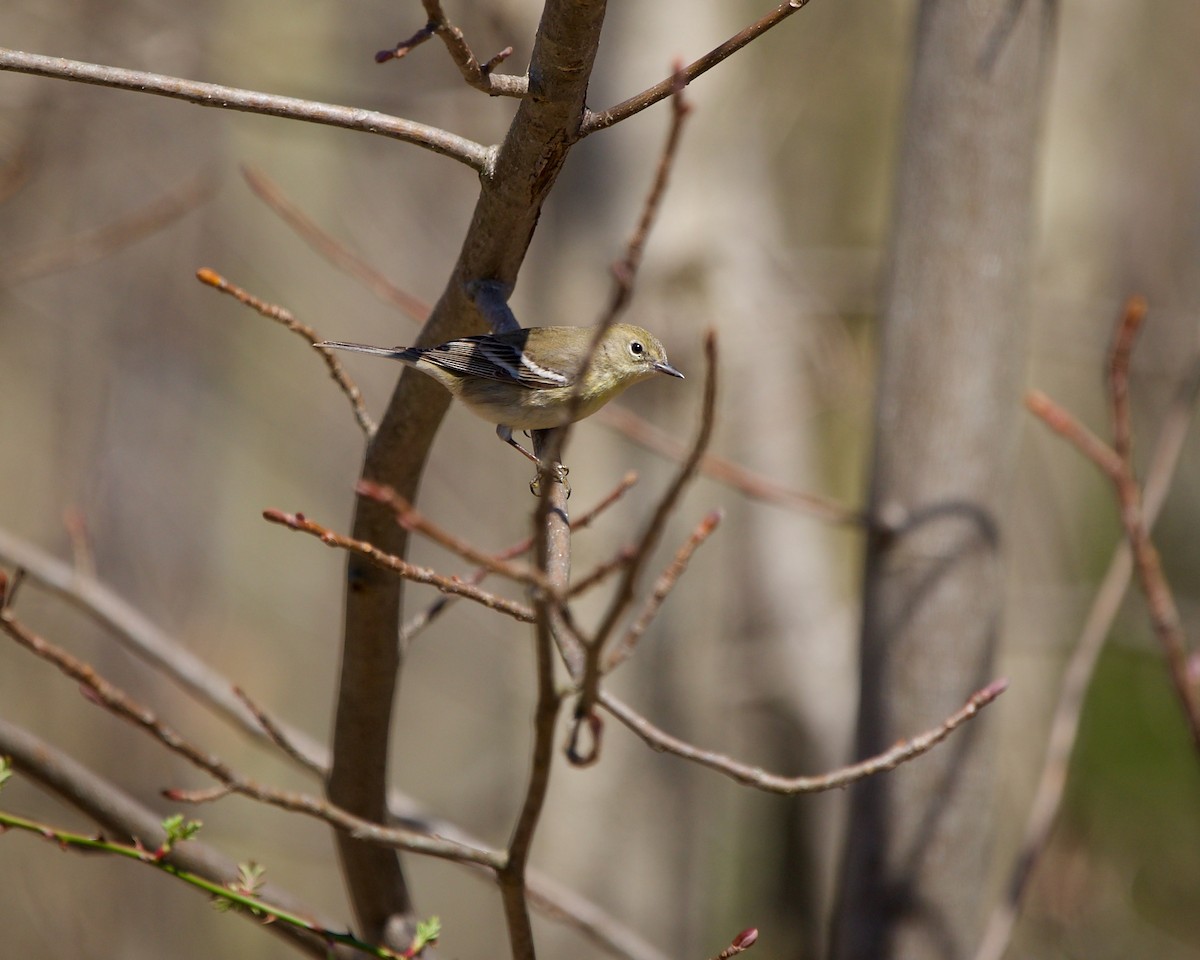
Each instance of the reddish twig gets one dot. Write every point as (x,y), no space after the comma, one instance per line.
(756,777)
(1064,727)
(285,317)
(66,253)
(624,271)
(1164,614)
(1063,423)
(635,104)
(623,650)
(753,485)
(402,568)
(332,249)
(411,519)
(742,942)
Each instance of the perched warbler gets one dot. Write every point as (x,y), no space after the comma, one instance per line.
(530,379)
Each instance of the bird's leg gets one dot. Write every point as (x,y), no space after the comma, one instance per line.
(560,472)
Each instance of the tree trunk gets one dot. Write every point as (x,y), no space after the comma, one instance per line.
(954,321)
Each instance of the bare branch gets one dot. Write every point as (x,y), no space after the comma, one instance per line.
(121,705)
(753,485)
(65,253)
(758,778)
(333,250)
(625,270)
(1064,726)
(476,156)
(281,315)
(647,98)
(478,75)
(402,568)
(622,651)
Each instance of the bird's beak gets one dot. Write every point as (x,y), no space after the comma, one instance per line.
(670,371)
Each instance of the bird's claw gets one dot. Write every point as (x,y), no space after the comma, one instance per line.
(560,476)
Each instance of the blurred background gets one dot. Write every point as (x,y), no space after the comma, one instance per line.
(161,418)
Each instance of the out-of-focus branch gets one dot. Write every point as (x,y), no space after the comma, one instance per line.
(1064,727)
(123,818)
(624,271)
(109,807)
(647,98)
(332,249)
(474,155)
(282,316)
(758,778)
(117,702)
(1117,464)
(622,651)
(64,253)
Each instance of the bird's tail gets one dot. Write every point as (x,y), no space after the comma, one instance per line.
(394,353)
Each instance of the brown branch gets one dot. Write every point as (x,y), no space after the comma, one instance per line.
(756,777)
(623,650)
(636,104)
(398,566)
(1164,614)
(435,609)
(285,317)
(474,155)
(94,795)
(477,75)
(412,520)
(121,705)
(753,485)
(1064,727)
(66,253)
(332,249)
(624,593)
(624,271)
(1063,422)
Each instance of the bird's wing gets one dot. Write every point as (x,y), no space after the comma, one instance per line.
(495,359)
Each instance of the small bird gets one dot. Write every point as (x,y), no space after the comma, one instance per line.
(530,379)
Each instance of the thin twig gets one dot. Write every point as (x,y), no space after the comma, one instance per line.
(1063,422)
(635,104)
(1160,600)
(65,253)
(281,315)
(758,778)
(277,734)
(121,705)
(753,485)
(624,593)
(411,519)
(623,650)
(624,271)
(332,249)
(478,75)
(1064,727)
(402,568)
(474,155)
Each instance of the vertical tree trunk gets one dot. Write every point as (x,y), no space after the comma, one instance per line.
(919,840)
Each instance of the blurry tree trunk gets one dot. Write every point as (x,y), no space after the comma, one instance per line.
(954,321)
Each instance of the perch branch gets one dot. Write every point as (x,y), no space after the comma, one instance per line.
(476,156)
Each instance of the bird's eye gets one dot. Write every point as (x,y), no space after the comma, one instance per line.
(636,348)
